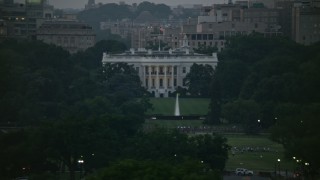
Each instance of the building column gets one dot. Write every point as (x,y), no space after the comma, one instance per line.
(178,75)
(172,76)
(157,79)
(149,84)
(165,78)
(144,75)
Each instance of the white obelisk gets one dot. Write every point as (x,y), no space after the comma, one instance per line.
(177,108)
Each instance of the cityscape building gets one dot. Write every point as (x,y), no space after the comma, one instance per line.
(161,72)
(306,23)
(23,19)
(73,36)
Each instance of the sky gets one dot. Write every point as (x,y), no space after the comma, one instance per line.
(79,4)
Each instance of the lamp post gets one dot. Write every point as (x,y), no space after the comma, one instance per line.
(279,160)
(259,125)
(306,170)
(81,161)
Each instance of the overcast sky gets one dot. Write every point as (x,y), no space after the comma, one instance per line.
(80,3)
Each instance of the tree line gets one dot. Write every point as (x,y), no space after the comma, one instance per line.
(270,83)
(69,114)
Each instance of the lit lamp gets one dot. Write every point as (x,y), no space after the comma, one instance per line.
(279,167)
(81,161)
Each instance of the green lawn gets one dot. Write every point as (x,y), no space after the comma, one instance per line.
(256,161)
(259,160)
(188,106)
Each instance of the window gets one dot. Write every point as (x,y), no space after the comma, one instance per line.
(65,40)
(168,83)
(147,82)
(205,36)
(175,82)
(72,40)
(161,82)
(184,70)
(210,37)
(199,36)
(153,83)
(161,70)
(59,40)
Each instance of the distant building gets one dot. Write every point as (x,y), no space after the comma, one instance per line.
(73,36)
(91,4)
(22,19)
(305,23)
(300,20)
(122,28)
(161,72)
(3,29)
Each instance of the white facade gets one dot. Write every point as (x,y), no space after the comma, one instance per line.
(161,72)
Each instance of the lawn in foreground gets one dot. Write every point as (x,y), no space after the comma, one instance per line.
(258,160)
(188,106)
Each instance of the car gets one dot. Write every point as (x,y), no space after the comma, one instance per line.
(243,172)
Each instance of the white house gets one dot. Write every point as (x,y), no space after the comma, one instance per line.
(161,72)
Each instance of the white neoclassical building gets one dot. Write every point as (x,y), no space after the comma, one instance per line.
(161,72)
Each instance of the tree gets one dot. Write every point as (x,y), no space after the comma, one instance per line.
(122,81)
(175,147)
(198,80)
(212,150)
(158,170)
(215,103)
(155,45)
(245,112)
(158,10)
(297,126)
(208,50)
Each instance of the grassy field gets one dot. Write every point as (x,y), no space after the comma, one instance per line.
(258,160)
(188,106)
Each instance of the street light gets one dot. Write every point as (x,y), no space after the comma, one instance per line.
(279,160)
(81,161)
